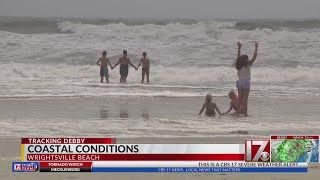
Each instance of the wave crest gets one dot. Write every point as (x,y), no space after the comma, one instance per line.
(161,75)
(26,25)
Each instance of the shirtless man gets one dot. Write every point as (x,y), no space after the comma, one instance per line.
(124,67)
(145,66)
(103,62)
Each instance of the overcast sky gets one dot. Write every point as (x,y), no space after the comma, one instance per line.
(162,8)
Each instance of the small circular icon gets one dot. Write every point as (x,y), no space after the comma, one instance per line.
(34,166)
(265,156)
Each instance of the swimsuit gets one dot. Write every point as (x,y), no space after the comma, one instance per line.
(210,111)
(210,114)
(124,69)
(145,69)
(104,72)
(244,76)
(243,84)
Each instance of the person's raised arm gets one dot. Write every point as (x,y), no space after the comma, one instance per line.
(204,106)
(98,62)
(239,49)
(216,107)
(238,54)
(254,57)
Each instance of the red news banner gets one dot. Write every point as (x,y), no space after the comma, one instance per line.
(65,166)
(68,141)
(106,149)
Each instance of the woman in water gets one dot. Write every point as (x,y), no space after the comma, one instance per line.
(243,66)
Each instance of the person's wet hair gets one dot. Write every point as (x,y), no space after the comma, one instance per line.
(242,60)
(208,98)
(231,94)
(104,53)
(125,52)
(144,53)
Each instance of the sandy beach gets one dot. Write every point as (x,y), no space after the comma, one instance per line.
(136,120)
(10,151)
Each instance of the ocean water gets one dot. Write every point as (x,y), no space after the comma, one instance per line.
(153,117)
(48,58)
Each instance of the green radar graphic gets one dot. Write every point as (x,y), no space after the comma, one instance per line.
(294,150)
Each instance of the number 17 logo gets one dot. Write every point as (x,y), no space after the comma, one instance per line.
(257,150)
(17,167)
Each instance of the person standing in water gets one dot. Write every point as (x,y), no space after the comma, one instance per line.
(243,66)
(103,62)
(124,67)
(145,67)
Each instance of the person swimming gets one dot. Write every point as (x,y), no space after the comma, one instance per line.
(210,107)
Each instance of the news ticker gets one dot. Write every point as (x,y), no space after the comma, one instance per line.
(281,153)
(159,166)
(280,148)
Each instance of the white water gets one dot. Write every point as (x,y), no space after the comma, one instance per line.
(67,80)
(187,60)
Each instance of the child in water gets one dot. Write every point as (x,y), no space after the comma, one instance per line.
(145,67)
(210,107)
(233,103)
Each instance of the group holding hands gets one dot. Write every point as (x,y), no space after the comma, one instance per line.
(124,62)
